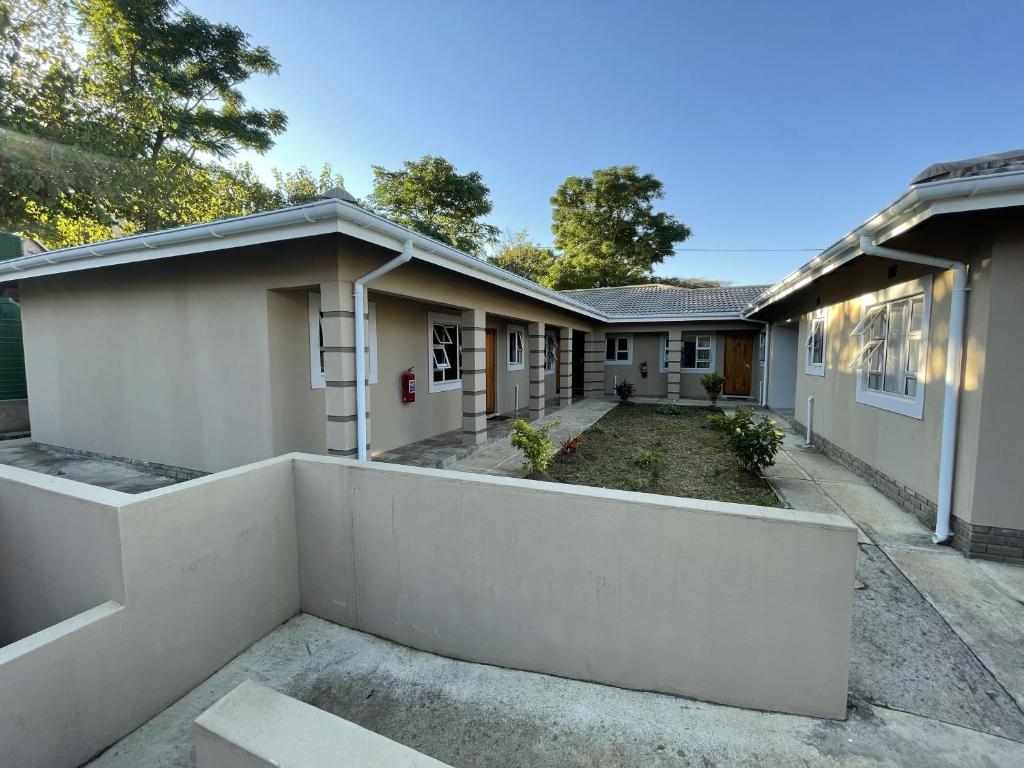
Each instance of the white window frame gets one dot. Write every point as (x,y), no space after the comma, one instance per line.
(811,368)
(905,405)
(317,365)
(762,347)
(550,343)
(711,346)
(663,354)
(629,349)
(438,318)
(520,333)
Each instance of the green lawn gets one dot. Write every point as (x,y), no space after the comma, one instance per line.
(690,458)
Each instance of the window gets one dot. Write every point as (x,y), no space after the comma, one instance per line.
(663,356)
(762,347)
(516,352)
(445,353)
(697,353)
(618,350)
(893,334)
(815,360)
(550,352)
(317,368)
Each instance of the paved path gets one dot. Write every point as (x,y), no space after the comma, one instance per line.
(498,457)
(934,633)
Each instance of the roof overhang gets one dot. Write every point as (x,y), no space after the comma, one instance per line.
(317,218)
(918,204)
(690,317)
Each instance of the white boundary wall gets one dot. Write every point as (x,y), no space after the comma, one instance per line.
(735,604)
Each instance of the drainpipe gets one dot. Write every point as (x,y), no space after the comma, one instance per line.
(954,359)
(767,363)
(359,294)
(810,417)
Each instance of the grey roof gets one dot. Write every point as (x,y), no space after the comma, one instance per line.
(982,165)
(658,299)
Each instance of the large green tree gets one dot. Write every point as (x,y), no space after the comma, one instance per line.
(607,229)
(114,115)
(301,186)
(520,255)
(431,197)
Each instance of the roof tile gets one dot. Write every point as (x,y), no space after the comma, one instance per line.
(658,299)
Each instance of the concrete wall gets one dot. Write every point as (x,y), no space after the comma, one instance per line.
(60,551)
(729,603)
(14,416)
(782,372)
(209,567)
(254,726)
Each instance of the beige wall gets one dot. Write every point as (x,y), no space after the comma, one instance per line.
(697,598)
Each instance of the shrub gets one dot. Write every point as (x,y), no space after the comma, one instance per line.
(625,389)
(647,457)
(754,443)
(572,444)
(534,443)
(713,384)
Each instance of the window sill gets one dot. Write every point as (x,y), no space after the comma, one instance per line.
(446,386)
(618,362)
(815,370)
(515,367)
(904,406)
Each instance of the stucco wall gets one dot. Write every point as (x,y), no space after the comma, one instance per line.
(60,551)
(730,603)
(782,352)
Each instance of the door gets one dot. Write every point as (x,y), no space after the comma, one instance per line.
(491,363)
(739,350)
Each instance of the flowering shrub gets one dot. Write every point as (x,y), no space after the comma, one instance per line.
(534,443)
(572,444)
(754,443)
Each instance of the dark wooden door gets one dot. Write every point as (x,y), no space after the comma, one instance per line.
(738,353)
(492,364)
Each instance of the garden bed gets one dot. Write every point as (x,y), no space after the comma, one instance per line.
(666,449)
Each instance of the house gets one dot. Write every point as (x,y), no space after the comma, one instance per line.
(899,350)
(215,345)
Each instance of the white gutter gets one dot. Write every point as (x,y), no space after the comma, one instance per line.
(359,294)
(954,358)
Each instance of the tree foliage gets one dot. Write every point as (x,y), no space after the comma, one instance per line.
(607,229)
(301,186)
(113,114)
(429,196)
(518,254)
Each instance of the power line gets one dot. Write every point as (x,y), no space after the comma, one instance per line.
(751,250)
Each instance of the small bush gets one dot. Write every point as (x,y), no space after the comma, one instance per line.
(625,389)
(599,429)
(647,457)
(572,444)
(535,444)
(713,384)
(754,443)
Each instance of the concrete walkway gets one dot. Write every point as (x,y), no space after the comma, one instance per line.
(934,633)
(498,457)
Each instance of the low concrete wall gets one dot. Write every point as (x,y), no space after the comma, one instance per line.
(209,568)
(60,550)
(735,604)
(256,727)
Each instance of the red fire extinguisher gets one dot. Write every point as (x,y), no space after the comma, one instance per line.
(643,369)
(409,386)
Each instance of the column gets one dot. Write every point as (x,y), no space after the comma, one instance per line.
(535,360)
(593,364)
(565,367)
(474,377)
(337,307)
(675,360)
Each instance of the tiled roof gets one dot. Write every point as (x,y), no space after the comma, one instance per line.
(657,299)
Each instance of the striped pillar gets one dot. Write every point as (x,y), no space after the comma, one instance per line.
(339,330)
(474,377)
(535,359)
(675,360)
(565,367)
(593,364)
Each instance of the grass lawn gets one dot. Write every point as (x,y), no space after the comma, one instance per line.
(692,457)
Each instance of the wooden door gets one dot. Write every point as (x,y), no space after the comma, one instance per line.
(739,351)
(492,364)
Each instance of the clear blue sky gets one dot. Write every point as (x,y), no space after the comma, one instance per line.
(772,125)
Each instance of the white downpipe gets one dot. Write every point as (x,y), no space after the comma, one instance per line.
(515,405)
(359,295)
(954,360)
(767,363)
(810,417)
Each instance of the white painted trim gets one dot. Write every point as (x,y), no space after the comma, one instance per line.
(663,352)
(629,348)
(371,373)
(521,365)
(317,377)
(816,369)
(887,401)
(712,363)
(553,335)
(440,386)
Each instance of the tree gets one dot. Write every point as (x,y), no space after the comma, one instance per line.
(687,282)
(607,229)
(300,186)
(518,254)
(429,196)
